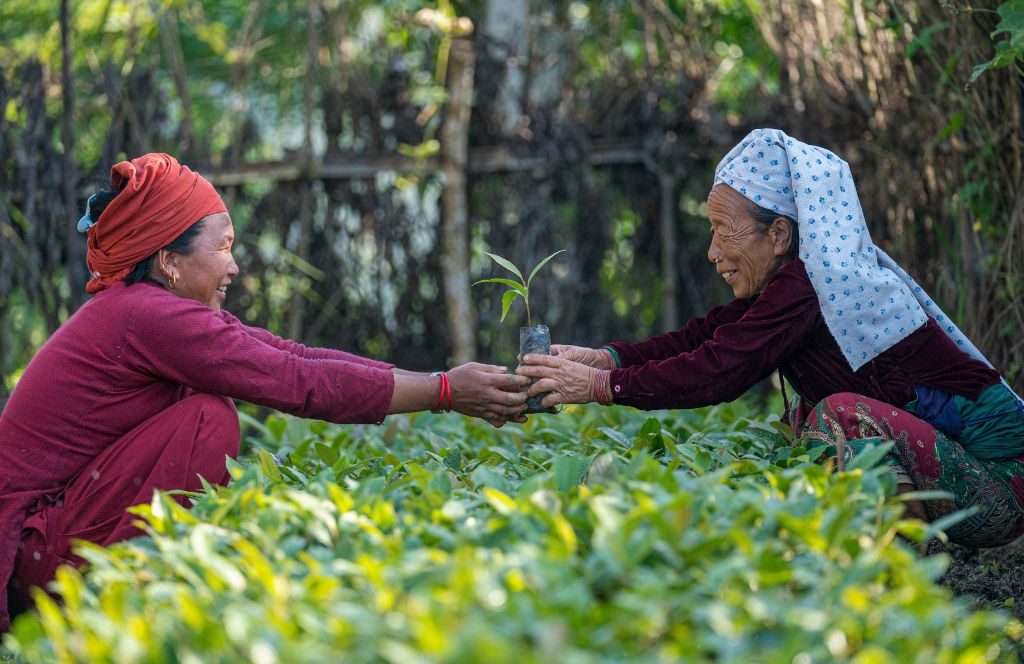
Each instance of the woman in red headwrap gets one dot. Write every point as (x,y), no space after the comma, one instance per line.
(134,392)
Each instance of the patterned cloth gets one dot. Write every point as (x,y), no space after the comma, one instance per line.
(931,460)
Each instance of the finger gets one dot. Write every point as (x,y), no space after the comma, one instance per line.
(490,368)
(536,371)
(497,407)
(552,399)
(541,386)
(509,398)
(519,419)
(497,424)
(558,349)
(544,360)
(506,381)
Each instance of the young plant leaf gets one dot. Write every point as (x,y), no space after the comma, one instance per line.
(540,265)
(508,282)
(506,301)
(505,263)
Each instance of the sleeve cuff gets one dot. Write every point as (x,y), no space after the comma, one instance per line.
(603,387)
(614,353)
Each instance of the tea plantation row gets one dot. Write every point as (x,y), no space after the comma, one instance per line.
(598,535)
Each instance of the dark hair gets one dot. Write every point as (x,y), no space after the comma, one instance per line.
(765,218)
(179,245)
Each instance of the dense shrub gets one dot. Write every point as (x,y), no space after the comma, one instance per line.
(596,535)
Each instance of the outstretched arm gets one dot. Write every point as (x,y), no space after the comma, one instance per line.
(567,381)
(478,390)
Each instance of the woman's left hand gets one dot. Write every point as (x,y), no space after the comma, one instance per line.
(567,381)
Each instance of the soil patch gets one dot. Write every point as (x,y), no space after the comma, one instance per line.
(990,578)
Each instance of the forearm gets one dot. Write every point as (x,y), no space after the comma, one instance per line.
(414,392)
(676,342)
(405,372)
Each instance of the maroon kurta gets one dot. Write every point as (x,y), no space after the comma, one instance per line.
(720,356)
(132,352)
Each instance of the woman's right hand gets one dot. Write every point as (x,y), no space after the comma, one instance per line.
(488,392)
(599,358)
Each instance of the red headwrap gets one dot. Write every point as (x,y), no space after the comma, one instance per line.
(161,198)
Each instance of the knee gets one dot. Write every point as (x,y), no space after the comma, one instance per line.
(838,409)
(219,429)
(838,403)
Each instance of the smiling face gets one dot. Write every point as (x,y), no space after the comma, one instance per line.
(745,252)
(204,274)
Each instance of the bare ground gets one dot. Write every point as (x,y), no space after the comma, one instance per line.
(990,578)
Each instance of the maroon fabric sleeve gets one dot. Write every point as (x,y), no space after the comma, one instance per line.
(308,352)
(692,335)
(207,353)
(738,354)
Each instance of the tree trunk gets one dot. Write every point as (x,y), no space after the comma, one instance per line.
(670,257)
(298,307)
(74,269)
(176,60)
(455,224)
(506,36)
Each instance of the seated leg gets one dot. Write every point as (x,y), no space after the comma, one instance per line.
(929,460)
(169,451)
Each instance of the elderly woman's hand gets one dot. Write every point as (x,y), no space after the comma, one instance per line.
(567,381)
(600,358)
(487,392)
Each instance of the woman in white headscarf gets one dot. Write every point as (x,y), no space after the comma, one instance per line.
(870,355)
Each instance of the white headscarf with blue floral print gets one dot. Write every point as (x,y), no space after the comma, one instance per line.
(868,301)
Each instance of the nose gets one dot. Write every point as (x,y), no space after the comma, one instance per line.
(232,267)
(714,255)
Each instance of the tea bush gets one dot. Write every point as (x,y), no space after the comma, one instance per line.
(599,535)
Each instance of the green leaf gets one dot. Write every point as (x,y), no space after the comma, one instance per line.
(784,430)
(924,39)
(540,265)
(506,301)
(454,459)
(956,121)
(945,523)
(505,263)
(326,454)
(1012,13)
(570,471)
(870,456)
(924,495)
(508,282)
(269,466)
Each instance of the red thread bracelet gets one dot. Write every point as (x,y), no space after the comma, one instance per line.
(444,399)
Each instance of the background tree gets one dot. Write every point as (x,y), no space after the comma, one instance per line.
(594,126)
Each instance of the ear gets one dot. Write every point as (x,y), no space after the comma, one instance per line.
(166,265)
(781,234)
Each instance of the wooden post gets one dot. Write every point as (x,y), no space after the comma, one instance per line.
(667,212)
(74,268)
(176,61)
(298,308)
(455,222)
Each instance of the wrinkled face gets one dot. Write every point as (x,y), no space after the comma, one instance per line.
(204,274)
(743,251)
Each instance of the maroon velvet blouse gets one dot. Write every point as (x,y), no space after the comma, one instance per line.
(720,356)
